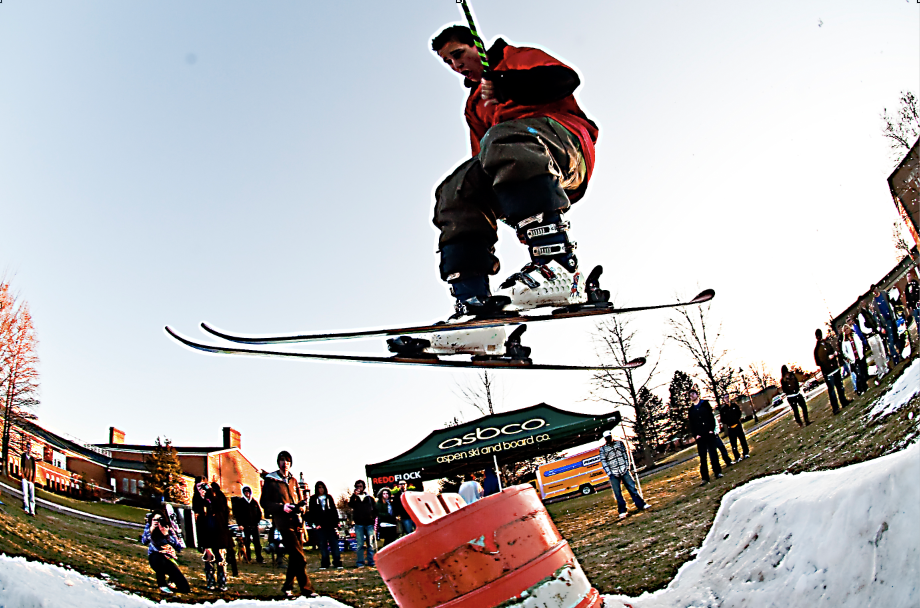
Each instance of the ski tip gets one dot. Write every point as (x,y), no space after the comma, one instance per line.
(703,296)
(637,362)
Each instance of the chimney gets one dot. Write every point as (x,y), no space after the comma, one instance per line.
(231,438)
(116,436)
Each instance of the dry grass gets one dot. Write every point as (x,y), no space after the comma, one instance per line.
(642,553)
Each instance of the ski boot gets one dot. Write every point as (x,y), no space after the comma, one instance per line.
(551,278)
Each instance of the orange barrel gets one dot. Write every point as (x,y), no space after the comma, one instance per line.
(503,549)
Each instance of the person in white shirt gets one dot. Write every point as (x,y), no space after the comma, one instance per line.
(470,490)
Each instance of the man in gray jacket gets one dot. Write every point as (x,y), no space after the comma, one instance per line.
(615,461)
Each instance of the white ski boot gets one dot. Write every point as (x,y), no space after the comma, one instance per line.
(539,285)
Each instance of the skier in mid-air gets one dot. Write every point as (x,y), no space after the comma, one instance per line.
(533,154)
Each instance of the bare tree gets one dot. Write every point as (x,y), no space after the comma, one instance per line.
(903,126)
(480,393)
(18,366)
(693,331)
(628,389)
(763,377)
(902,246)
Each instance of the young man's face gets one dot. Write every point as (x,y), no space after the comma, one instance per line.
(284,465)
(463,59)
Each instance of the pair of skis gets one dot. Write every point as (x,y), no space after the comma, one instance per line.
(519,320)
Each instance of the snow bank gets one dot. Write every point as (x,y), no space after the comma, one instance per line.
(901,392)
(28,584)
(841,538)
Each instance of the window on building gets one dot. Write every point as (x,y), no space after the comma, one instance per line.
(124,485)
(134,486)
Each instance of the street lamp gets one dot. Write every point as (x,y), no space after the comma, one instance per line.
(747,390)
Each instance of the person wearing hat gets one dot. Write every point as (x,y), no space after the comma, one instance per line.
(282,501)
(615,461)
(703,426)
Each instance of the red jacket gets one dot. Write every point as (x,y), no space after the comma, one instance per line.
(506,58)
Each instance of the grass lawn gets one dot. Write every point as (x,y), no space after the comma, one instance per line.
(641,553)
(102,509)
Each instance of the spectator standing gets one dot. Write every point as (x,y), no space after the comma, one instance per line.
(282,501)
(615,461)
(211,539)
(869,325)
(827,359)
(887,317)
(222,517)
(730,417)
(27,470)
(490,483)
(794,395)
(912,300)
(364,511)
(470,490)
(248,514)
(703,426)
(387,526)
(163,544)
(325,516)
(407,526)
(853,351)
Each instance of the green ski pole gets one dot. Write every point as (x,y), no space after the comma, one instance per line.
(479,46)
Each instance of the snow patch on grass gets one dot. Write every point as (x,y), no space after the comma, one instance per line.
(902,391)
(843,538)
(26,583)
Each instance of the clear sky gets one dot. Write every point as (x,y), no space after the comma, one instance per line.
(269,167)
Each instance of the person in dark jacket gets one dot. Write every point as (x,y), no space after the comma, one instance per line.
(222,515)
(730,417)
(386,527)
(794,395)
(886,315)
(248,514)
(364,512)
(490,483)
(282,501)
(325,516)
(703,426)
(407,525)
(211,527)
(827,359)
(912,303)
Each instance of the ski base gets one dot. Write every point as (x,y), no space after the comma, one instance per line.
(583,310)
(421,359)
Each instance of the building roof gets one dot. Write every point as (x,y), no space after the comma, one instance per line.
(85,451)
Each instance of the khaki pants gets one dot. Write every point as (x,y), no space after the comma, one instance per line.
(467,206)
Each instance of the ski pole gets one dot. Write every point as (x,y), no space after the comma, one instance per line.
(479,46)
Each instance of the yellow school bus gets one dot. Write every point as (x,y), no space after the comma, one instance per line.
(579,473)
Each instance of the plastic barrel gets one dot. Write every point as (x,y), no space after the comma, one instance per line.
(503,549)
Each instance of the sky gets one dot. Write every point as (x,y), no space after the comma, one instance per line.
(270,168)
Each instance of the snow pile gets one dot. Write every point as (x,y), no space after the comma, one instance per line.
(902,391)
(847,537)
(28,584)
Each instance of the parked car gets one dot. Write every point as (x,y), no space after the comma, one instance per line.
(778,399)
(810,385)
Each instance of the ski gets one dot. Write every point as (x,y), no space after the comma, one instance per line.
(429,360)
(515,319)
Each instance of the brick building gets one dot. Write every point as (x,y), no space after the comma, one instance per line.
(115,469)
(224,464)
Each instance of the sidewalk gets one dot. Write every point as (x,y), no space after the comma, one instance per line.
(51,506)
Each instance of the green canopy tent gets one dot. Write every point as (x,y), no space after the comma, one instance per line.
(491,440)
